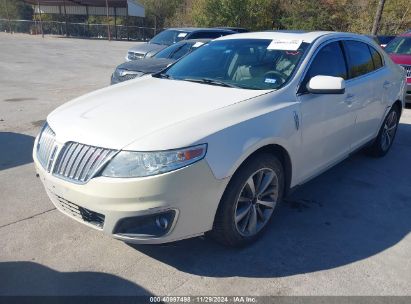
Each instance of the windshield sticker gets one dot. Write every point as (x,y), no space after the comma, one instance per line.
(182,35)
(285,44)
(292,53)
(197,44)
(270,80)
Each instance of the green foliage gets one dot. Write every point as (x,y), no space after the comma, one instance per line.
(336,15)
(15,9)
(253,14)
(161,10)
(310,15)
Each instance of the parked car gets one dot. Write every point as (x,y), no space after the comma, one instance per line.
(171,36)
(137,68)
(399,50)
(383,40)
(214,142)
(235,29)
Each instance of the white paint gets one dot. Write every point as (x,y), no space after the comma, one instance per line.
(150,114)
(326,83)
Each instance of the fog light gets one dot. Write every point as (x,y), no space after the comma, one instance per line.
(162,222)
(153,225)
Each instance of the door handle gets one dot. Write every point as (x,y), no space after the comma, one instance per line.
(386,84)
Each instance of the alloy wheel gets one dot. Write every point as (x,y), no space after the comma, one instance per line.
(256,202)
(388,133)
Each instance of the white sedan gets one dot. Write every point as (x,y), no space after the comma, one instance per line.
(213,143)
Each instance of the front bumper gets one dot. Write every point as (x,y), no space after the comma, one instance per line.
(193,193)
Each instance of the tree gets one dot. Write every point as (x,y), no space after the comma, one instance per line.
(161,10)
(316,15)
(377,18)
(253,14)
(15,9)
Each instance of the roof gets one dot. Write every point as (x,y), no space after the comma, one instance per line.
(200,29)
(92,7)
(307,37)
(98,3)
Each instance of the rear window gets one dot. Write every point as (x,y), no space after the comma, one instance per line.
(360,61)
(376,58)
(169,37)
(400,45)
(208,34)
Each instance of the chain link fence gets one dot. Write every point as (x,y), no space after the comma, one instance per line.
(99,31)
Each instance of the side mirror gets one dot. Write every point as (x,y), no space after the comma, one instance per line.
(326,85)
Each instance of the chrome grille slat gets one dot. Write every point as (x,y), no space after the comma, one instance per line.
(69,159)
(408,70)
(45,146)
(79,163)
(84,165)
(79,158)
(73,159)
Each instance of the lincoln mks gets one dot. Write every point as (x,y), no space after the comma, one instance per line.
(213,143)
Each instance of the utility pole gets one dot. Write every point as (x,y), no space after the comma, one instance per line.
(8,16)
(377,17)
(65,17)
(108,24)
(41,22)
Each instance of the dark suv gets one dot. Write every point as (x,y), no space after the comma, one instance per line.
(171,36)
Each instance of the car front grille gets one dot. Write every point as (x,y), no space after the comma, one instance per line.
(45,147)
(407,68)
(135,56)
(86,215)
(79,163)
(128,77)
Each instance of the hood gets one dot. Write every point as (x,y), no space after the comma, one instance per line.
(115,116)
(145,48)
(147,66)
(400,59)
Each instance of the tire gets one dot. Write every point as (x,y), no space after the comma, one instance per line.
(386,135)
(243,215)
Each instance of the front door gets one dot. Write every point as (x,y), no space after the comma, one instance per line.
(328,120)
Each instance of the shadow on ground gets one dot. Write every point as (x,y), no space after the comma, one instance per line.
(357,209)
(28,278)
(15,149)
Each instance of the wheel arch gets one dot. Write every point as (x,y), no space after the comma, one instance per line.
(275,150)
(397,103)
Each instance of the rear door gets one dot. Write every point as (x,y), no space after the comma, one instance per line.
(327,119)
(365,86)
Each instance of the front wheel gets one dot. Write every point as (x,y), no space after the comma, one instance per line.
(249,201)
(386,135)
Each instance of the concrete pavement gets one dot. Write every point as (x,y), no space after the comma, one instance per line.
(346,232)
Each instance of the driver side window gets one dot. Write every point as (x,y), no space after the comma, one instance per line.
(329,61)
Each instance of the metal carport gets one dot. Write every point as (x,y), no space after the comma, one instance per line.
(107,8)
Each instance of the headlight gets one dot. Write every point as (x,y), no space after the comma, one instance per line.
(139,164)
(123,72)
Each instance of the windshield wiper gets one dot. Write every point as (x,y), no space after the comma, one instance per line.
(211,82)
(162,75)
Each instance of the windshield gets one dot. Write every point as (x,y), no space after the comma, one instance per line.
(243,63)
(174,51)
(400,45)
(168,37)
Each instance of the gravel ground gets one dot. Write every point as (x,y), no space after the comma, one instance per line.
(346,232)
